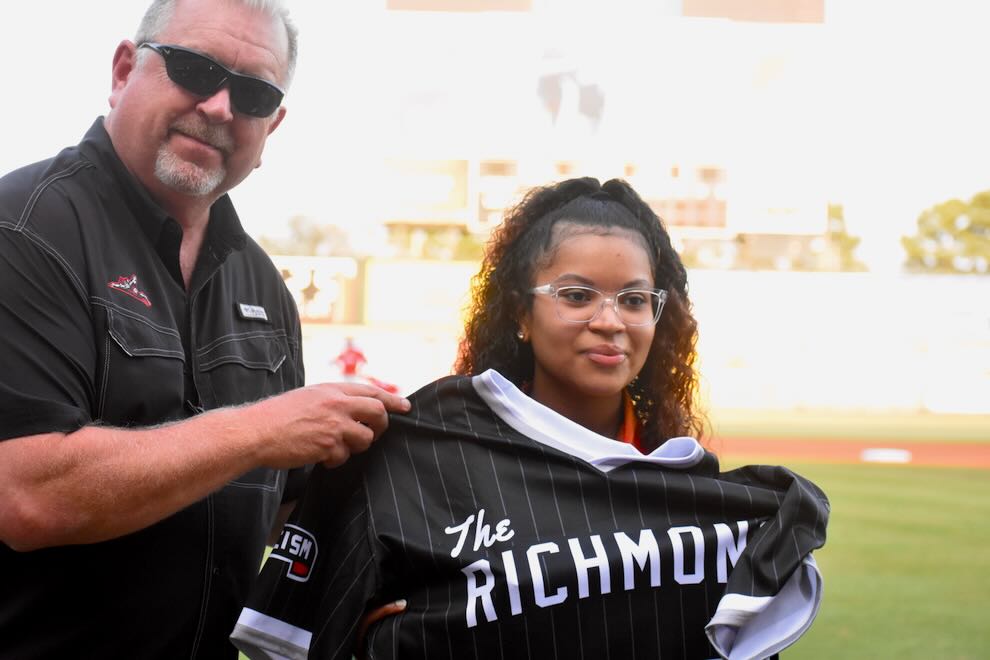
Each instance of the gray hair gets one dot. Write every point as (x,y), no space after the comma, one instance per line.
(160,12)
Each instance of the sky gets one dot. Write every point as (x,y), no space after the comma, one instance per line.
(882,109)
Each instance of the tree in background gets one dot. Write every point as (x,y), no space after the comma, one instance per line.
(307,237)
(953,237)
(841,243)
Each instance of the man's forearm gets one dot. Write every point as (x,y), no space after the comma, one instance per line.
(100,483)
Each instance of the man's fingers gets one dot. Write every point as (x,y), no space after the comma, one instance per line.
(355,439)
(376,424)
(373,411)
(336,459)
(358,437)
(393,402)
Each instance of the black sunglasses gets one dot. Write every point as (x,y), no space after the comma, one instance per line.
(204,76)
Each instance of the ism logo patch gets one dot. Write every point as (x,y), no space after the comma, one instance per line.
(297,548)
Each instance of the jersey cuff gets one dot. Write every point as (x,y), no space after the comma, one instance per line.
(760,626)
(261,636)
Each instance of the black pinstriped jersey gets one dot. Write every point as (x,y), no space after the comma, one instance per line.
(513,532)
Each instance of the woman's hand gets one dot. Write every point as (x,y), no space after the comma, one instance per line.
(371,617)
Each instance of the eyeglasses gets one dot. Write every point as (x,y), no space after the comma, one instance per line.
(204,76)
(583,304)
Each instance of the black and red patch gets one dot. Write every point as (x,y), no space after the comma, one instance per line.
(297,548)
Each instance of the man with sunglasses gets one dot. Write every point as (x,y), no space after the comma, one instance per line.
(152,411)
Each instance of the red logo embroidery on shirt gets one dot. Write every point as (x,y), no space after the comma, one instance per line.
(128,285)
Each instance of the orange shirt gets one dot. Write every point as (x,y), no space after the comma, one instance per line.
(630,429)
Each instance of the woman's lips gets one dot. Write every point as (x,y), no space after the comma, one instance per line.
(606,355)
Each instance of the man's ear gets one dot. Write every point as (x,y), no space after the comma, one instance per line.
(124,62)
(279,116)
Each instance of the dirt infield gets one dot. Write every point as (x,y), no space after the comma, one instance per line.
(970,455)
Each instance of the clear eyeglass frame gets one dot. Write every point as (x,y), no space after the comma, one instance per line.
(555,291)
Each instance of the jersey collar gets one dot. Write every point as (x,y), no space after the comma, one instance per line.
(536,421)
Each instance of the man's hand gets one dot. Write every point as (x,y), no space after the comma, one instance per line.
(324,423)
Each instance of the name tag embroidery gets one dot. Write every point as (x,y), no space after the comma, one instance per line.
(252,312)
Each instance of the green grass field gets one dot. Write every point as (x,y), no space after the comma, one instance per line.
(906,564)
(843,425)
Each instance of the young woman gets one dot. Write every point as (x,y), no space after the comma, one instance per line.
(549,312)
(549,500)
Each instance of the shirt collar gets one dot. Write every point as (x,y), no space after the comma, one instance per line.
(224,231)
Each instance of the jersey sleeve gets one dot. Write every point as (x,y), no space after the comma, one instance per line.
(320,577)
(47,348)
(775,589)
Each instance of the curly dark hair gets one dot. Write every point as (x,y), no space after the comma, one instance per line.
(665,390)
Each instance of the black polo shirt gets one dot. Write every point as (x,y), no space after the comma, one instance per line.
(97,327)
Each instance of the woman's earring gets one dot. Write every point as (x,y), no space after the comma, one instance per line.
(521,335)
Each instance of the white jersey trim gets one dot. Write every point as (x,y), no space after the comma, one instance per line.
(758,626)
(536,421)
(264,637)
